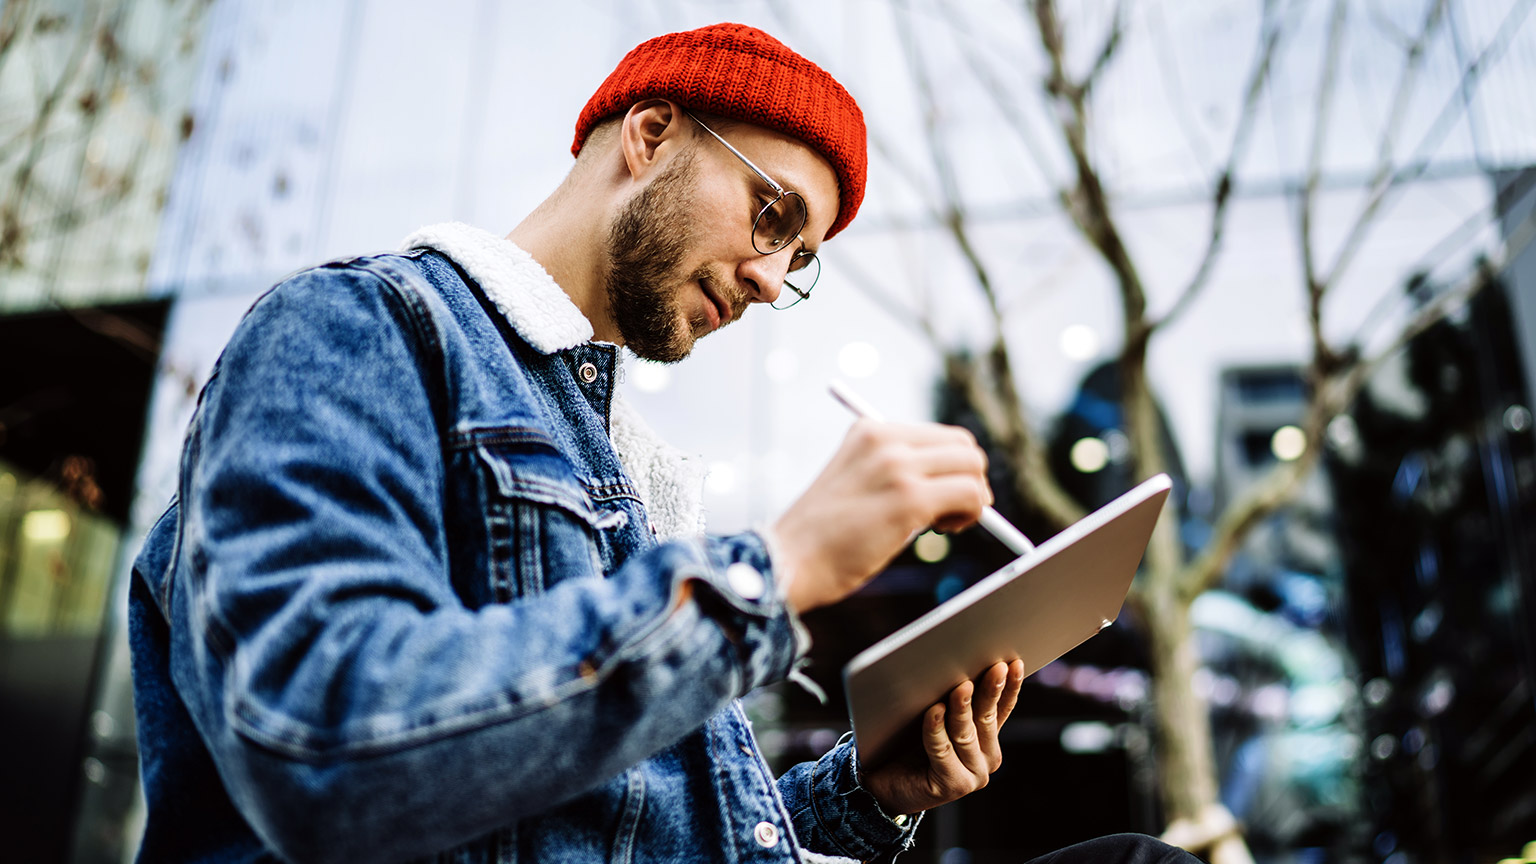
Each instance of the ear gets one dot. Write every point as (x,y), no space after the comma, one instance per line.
(650,131)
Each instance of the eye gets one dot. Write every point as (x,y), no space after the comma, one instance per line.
(801,260)
(769,218)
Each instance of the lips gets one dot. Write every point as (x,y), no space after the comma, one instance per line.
(716,307)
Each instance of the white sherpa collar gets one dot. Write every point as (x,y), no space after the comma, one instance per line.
(526,294)
(669,481)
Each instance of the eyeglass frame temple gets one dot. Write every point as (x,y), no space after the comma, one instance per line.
(778,190)
(772,184)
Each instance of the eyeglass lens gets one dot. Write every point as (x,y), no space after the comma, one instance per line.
(779,223)
(802,276)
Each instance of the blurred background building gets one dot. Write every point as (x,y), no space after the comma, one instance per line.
(1369,658)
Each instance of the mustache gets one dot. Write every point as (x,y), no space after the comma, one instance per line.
(726,288)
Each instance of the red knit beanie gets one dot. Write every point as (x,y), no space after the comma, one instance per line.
(743,73)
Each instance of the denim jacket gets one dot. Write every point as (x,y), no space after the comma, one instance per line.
(427,591)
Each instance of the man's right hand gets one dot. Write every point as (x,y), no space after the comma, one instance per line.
(887,482)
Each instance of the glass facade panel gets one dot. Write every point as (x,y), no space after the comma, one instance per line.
(58,561)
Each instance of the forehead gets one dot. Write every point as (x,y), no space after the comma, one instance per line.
(791,163)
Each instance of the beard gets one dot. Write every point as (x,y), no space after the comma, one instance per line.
(647,242)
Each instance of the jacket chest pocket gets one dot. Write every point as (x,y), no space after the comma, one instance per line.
(542,526)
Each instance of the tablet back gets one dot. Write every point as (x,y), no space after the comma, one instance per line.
(1036,608)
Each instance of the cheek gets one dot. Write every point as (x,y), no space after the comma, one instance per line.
(722,219)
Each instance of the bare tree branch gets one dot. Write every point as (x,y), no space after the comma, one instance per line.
(868,285)
(1171,582)
(1400,100)
(1412,62)
(1327,82)
(119,329)
(1106,51)
(1505,201)
(952,212)
(12,17)
(1007,104)
(1256,504)
(1387,180)
(990,388)
(1447,301)
(1087,203)
(1173,87)
(1258,77)
(107,74)
(1387,26)
(11,204)
(1333,394)
(906,171)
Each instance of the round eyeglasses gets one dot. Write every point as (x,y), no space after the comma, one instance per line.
(777,226)
(804,270)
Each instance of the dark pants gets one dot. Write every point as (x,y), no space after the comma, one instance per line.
(1119,849)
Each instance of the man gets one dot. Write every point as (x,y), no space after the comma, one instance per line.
(429,589)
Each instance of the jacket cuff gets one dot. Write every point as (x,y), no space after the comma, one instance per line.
(848,812)
(744,599)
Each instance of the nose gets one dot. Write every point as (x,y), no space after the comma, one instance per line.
(764,275)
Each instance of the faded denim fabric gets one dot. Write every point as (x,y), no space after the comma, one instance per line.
(407,604)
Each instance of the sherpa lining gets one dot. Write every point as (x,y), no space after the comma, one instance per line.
(809,857)
(526,294)
(670,483)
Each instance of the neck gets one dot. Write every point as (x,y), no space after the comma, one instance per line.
(566,235)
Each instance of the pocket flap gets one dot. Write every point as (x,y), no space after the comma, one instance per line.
(536,473)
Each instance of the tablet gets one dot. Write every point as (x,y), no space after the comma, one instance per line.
(1037,608)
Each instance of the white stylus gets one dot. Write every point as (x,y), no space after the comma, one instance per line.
(991,520)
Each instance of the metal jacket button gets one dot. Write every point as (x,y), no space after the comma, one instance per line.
(767,834)
(745,581)
(588,372)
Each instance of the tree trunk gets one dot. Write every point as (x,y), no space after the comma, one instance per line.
(1186,755)
(1183,721)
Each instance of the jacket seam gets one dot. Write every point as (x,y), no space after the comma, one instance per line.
(461,440)
(826,829)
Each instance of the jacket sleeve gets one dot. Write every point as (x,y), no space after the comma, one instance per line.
(351,703)
(834,815)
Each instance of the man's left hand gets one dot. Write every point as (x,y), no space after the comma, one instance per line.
(960,743)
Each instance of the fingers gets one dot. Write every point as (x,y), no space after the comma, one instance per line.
(988,700)
(922,433)
(1010,697)
(955,469)
(957,500)
(941,755)
(887,482)
(921,450)
(960,455)
(960,740)
(963,734)
(959,521)
(949,740)
(938,473)
(932,448)
(976,714)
